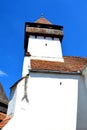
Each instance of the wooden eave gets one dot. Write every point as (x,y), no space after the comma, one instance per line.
(44,31)
(42,25)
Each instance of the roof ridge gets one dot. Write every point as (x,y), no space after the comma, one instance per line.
(76,57)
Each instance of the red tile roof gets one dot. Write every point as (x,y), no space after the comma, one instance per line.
(70,64)
(5,121)
(2,115)
(43,21)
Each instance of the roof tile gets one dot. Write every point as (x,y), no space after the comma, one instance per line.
(43,21)
(70,64)
(2,116)
(5,121)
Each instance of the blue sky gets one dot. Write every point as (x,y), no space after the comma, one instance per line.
(72,14)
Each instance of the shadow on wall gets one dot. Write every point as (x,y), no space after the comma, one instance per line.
(82,106)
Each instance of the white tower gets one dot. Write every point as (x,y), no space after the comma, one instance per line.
(42,41)
(52,93)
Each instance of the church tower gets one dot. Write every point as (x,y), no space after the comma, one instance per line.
(52,92)
(42,41)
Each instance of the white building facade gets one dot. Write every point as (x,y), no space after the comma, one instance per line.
(52,93)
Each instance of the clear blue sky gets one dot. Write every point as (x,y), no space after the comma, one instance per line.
(72,14)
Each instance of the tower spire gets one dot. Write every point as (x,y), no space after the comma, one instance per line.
(43,20)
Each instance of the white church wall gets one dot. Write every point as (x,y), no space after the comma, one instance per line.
(53,99)
(56,101)
(20,101)
(82,102)
(52,102)
(82,105)
(84,72)
(26,66)
(12,102)
(45,48)
(16,98)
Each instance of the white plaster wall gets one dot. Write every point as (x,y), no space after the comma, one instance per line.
(82,102)
(56,102)
(26,66)
(12,103)
(39,50)
(84,72)
(15,103)
(52,103)
(52,106)
(82,106)
(20,102)
(46,48)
